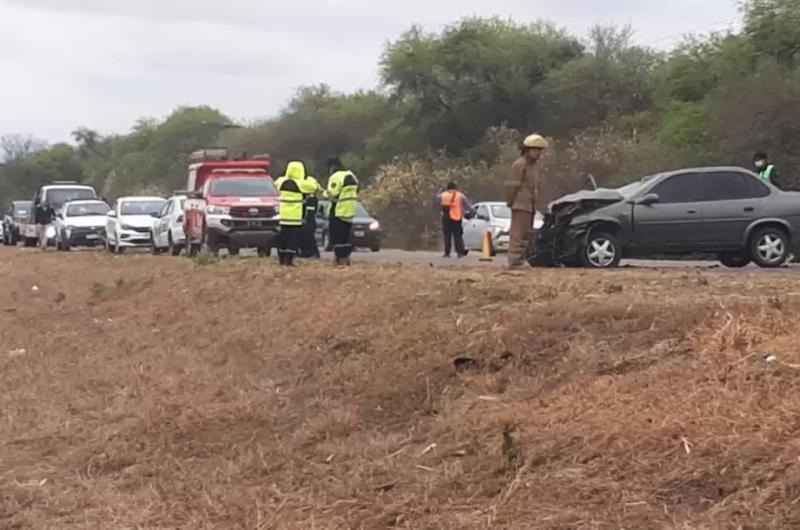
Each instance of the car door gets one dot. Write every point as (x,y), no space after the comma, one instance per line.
(471,226)
(731,201)
(161,225)
(111,224)
(674,221)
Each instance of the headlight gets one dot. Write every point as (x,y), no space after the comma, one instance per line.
(217,210)
(126,227)
(51,231)
(375,225)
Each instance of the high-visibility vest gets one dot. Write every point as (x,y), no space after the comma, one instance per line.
(453,205)
(766,173)
(343,192)
(291,197)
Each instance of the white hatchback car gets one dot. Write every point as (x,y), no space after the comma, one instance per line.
(80,223)
(168,227)
(494,217)
(130,222)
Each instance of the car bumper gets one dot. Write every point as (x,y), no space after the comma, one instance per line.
(134,239)
(244,233)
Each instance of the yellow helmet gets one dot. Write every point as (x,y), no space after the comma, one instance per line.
(535,141)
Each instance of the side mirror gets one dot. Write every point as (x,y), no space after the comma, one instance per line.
(649,199)
(482,217)
(156,215)
(112,213)
(194,195)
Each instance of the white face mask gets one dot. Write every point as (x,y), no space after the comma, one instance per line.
(761,164)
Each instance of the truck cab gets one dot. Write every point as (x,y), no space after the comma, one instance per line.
(53,196)
(230,204)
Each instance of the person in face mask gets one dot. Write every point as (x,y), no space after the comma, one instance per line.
(765,170)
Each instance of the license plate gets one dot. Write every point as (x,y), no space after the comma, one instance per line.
(358,233)
(92,236)
(254,224)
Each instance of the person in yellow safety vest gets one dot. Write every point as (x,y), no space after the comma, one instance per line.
(292,189)
(309,247)
(455,206)
(343,194)
(765,170)
(521,196)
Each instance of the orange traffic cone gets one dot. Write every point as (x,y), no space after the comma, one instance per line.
(486,247)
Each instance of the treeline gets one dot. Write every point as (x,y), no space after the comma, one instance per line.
(453,104)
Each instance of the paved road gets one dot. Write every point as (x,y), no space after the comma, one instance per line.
(473,260)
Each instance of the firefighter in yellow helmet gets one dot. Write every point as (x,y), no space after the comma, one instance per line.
(343,194)
(292,188)
(521,195)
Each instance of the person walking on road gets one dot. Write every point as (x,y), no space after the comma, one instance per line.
(291,188)
(309,248)
(455,206)
(766,170)
(343,194)
(521,194)
(44,216)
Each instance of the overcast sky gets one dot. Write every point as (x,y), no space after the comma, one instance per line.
(104,63)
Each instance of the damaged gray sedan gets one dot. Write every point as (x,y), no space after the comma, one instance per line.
(723,211)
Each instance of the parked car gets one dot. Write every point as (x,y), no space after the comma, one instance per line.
(366,229)
(168,232)
(54,196)
(16,213)
(726,211)
(81,224)
(494,217)
(129,223)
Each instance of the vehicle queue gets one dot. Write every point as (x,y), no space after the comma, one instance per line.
(737,215)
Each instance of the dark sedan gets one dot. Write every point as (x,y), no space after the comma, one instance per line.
(366,229)
(17,212)
(724,211)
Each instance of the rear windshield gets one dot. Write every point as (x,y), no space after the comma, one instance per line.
(58,197)
(141,207)
(82,210)
(243,187)
(22,207)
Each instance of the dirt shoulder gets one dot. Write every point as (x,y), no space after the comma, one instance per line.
(153,392)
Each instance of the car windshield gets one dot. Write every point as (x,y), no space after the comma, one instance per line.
(243,187)
(82,210)
(501,211)
(141,207)
(361,211)
(60,196)
(22,208)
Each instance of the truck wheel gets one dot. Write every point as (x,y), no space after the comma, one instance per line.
(769,247)
(233,251)
(210,243)
(375,248)
(264,252)
(602,251)
(30,242)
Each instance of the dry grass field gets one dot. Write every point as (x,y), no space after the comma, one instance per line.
(141,392)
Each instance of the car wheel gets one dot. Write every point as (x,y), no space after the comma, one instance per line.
(264,252)
(174,249)
(769,247)
(154,250)
(734,260)
(118,249)
(375,248)
(602,251)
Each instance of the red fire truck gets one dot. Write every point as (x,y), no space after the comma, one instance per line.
(230,204)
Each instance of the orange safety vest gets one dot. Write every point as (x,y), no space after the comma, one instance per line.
(452,204)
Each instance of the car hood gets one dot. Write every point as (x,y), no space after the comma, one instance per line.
(599,196)
(86,220)
(242,201)
(139,221)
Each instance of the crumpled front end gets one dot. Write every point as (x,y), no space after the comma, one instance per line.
(559,241)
